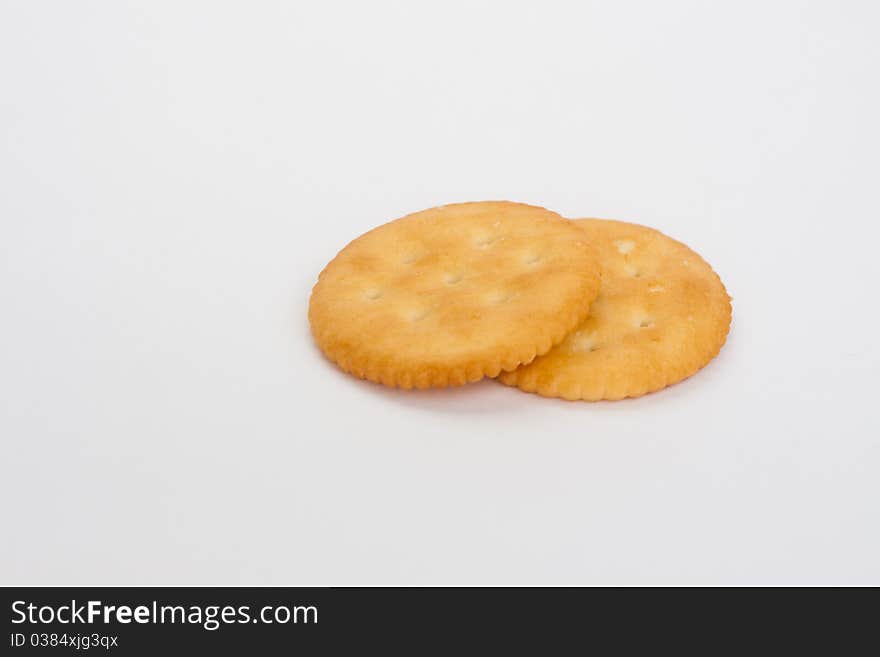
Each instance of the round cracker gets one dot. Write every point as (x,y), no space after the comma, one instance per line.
(452,294)
(661,315)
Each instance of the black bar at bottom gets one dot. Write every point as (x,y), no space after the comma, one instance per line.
(152,621)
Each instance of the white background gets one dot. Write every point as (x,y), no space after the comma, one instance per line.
(174,175)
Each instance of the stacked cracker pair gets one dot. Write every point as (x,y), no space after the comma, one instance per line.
(586,309)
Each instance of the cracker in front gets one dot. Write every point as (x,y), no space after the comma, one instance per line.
(661,315)
(452,294)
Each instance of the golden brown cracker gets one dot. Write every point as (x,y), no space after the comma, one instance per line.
(454,293)
(661,315)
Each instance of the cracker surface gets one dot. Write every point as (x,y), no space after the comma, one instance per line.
(661,315)
(452,294)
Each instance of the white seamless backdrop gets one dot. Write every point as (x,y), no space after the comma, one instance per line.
(174,175)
